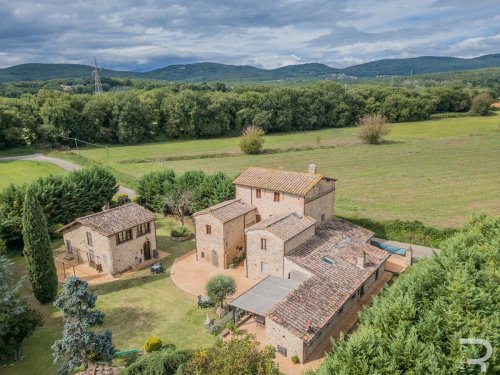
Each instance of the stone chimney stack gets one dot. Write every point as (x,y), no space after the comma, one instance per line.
(360,259)
(313,169)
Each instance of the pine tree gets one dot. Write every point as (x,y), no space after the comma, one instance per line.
(39,258)
(79,343)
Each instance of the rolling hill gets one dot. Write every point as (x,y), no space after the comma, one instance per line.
(210,72)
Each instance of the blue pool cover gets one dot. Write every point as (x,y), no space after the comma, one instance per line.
(389,248)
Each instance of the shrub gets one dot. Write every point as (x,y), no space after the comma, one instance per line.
(122,198)
(252,140)
(220,287)
(166,362)
(481,104)
(3,247)
(54,230)
(152,344)
(372,128)
(179,232)
(295,358)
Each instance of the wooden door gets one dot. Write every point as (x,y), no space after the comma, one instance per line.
(215,260)
(147,250)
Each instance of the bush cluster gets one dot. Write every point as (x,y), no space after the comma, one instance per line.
(152,344)
(179,232)
(252,140)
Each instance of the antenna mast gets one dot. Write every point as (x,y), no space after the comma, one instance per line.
(97,78)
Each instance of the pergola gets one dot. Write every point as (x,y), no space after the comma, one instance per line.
(264,295)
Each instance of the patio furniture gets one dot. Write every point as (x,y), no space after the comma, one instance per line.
(157,268)
(204,301)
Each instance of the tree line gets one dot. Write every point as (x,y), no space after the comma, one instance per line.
(415,326)
(203,111)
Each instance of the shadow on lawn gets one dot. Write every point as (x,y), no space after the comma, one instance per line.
(118,285)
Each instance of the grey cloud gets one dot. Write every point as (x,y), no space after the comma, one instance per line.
(150,34)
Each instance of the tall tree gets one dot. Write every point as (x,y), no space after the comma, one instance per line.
(219,287)
(79,341)
(39,258)
(17,319)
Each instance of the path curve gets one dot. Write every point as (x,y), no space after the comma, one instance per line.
(64,164)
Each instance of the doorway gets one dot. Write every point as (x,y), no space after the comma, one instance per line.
(215,260)
(147,250)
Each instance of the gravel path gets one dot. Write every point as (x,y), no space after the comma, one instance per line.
(67,165)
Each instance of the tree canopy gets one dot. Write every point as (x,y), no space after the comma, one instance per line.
(415,326)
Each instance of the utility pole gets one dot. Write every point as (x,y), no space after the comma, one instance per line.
(96,72)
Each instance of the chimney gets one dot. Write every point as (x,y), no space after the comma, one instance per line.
(313,169)
(360,259)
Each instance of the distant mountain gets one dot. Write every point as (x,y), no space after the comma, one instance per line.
(421,65)
(210,72)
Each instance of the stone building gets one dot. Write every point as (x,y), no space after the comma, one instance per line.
(312,266)
(112,240)
(220,235)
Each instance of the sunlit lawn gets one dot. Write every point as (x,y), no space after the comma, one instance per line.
(21,171)
(136,308)
(437,171)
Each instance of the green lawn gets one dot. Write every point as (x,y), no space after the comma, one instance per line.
(21,171)
(437,171)
(136,308)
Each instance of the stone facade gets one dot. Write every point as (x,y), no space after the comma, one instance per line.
(279,337)
(112,257)
(223,242)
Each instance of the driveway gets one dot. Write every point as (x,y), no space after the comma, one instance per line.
(64,164)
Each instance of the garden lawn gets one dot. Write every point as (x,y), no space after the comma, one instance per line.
(136,307)
(22,171)
(436,171)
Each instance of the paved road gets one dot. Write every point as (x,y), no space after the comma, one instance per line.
(418,250)
(67,165)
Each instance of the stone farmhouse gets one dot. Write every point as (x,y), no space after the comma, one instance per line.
(113,240)
(311,266)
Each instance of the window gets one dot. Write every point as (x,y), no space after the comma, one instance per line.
(263,267)
(281,350)
(322,217)
(208,229)
(143,229)
(328,260)
(263,244)
(123,236)
(257,218)
(69,248)
(276,196)
(203,254)
(89,238)
(257,193)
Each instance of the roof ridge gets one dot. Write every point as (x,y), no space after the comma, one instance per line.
(287,171)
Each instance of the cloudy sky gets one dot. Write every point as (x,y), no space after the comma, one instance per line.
(143,35)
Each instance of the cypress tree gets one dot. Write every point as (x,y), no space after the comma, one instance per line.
(39,258)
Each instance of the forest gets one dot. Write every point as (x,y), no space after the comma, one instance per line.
(147,111)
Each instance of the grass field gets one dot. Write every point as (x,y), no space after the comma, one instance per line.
(437,171)
(136,308)
(20,172)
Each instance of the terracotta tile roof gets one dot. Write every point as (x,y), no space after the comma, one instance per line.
(298,183)
(115,220)
(319,297)
(227,210)
(284,226)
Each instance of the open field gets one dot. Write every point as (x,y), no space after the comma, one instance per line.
(21,172)
(136,308)
(437,171)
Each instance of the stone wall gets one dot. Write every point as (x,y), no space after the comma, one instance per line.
(266,206)
(293,271)
(113,258)
(234,236)
(131,253)
(299,239)
(320,201)
(273,255)
(279,335)
(208,243)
